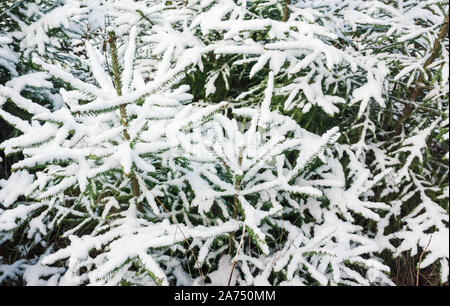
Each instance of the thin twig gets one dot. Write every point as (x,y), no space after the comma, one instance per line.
(286,10)
(420,260)
(123,112)
(235,256)
(237,187)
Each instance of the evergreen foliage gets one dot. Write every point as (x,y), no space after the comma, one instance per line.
(233,142)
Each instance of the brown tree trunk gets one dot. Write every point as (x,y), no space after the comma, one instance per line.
(286,10)
(123,114)
(237,187)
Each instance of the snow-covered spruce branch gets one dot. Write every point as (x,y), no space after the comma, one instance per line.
(222,142)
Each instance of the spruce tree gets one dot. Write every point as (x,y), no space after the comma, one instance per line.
(225,142)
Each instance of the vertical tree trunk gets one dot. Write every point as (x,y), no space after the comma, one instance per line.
(286,10)
(237,187)
(123,114)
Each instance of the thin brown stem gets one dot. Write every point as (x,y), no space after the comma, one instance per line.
(420,260)
(235,256)
(237,187)
(231,274)
(123,112)
(286,10)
